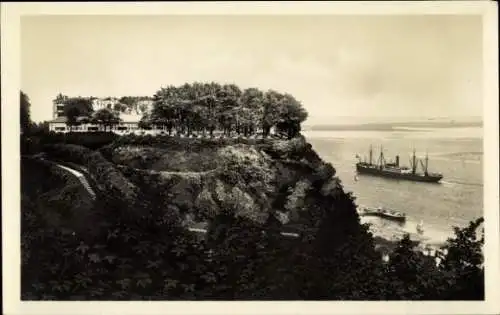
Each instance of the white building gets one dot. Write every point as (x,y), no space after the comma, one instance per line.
(99,103)
(129,119)
(58,124)
(58,110)
(129,124)
(58,106)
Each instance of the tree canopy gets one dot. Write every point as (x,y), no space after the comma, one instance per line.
(25,107)
(76,106)
(105,117)
(205,107)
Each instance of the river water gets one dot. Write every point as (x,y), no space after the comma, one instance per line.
(457,153)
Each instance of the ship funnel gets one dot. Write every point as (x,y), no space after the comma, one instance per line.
(397,160)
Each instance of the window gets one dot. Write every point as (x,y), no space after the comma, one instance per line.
(60,128)
(92,128)
(122,128)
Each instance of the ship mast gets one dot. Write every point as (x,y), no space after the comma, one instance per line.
(426,163)
(381,162)
(371,154)
(423,166)
(414,163)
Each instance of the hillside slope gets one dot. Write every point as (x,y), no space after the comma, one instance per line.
(272,179)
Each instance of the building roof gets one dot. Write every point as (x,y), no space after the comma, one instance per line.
(60,119)
(126,118)
(64,119)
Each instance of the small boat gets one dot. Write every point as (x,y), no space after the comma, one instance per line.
(383,213)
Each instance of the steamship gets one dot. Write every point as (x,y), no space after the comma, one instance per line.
(394,170)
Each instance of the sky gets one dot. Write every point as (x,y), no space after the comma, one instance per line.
(337,66)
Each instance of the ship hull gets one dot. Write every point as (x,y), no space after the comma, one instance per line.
(383,215)
(387,217)
(396,175)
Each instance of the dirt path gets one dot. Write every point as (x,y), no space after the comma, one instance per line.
(79,175)
(81,178)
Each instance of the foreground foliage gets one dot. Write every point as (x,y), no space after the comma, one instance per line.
(137,249)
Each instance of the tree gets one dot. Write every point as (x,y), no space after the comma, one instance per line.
(462,262)
(209,117)
(25,112)
(72,116)
(252,110)
(78,105)
(203,107)
(163,113)
(106,118)
(230,102)
(128,100)
(271,111)
(119,107)
(145,122)
(41,128)
(75,108)
(291,115)
(412,275)
(143,108)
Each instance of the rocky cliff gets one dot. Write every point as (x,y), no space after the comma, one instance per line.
(272,181)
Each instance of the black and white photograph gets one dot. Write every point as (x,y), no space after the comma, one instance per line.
(263,152)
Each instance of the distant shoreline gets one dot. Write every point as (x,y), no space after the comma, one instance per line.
(398,126)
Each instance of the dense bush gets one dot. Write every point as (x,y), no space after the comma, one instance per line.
(107,141)
(34,142)
(121,261)
(163,159)
(91,140)
(178,143)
